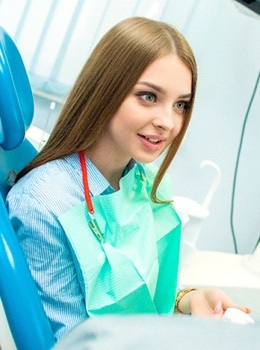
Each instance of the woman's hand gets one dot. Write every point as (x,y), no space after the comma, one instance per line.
(210,302)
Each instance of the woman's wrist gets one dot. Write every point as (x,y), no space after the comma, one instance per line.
(182,303)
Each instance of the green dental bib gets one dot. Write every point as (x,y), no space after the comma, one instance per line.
(135,269)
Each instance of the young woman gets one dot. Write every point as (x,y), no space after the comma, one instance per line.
(93,217)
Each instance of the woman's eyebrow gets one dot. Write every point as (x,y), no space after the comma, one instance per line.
(160,89)
(153,86)
(186,96)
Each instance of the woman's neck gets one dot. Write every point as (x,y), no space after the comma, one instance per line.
(110,168)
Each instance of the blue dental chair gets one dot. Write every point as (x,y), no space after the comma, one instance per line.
(25,314)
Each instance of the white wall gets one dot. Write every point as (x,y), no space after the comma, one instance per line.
(226,43)
(55,38)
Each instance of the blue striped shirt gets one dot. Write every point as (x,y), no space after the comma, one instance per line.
(34,205)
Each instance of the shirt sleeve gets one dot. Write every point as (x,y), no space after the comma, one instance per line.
(51,262)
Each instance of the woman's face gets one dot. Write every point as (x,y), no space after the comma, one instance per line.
(152,115)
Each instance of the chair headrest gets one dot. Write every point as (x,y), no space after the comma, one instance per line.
(16,99)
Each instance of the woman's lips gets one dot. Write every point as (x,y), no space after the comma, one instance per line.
(152,142)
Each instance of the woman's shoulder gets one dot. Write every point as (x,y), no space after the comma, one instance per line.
(53,181)
(49,173)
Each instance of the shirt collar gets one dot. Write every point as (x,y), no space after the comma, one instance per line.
(98,184)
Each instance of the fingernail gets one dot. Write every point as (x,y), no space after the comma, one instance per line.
(248,311)
(218,307)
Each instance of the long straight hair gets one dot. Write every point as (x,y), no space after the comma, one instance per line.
(106,79)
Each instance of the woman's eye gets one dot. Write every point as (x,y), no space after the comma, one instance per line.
(182,105)
(147,96)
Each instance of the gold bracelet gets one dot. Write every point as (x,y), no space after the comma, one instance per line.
(181,295)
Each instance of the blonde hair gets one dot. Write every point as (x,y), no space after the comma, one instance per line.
(106,79)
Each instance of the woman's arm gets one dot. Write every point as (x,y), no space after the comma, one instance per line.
(50,261)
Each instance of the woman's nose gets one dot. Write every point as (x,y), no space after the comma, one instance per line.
(164,119)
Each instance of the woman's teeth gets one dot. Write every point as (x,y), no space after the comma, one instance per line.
(152,140)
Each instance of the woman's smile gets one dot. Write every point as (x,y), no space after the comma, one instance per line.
(152,142)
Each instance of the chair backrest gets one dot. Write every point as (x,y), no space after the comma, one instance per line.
(24,311)
(16,112)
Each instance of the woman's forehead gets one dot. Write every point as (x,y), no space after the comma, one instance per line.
(167,74)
